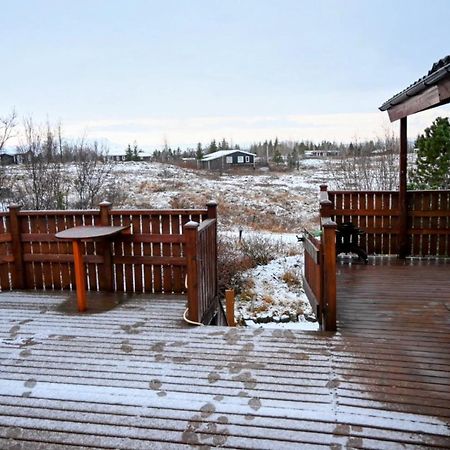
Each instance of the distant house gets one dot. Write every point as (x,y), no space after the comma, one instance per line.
(6,159)
(321,153)
(9,156)
(226,159)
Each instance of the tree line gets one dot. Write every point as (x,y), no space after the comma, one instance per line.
(48,182)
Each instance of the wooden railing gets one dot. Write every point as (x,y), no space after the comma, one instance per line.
(377,213)
(202,270)
(319,278)
(152,258)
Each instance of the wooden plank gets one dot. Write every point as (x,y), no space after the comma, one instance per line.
(63,248)
(394,223)
(35,247)
(364,211)
(434,224)
(312,250)
(5,254)
(127,253)
(61,258)
(90,249)
(178,281)
(53,249)
(444,90)
(166,251)
(137,252)
(4,236)
(379,248)
(420,102)
(147,251)
(69,222)
(117,253)
(156,251)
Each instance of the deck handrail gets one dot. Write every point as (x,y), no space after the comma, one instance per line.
(320,267)
(151,259)
(201,254)
(377,213)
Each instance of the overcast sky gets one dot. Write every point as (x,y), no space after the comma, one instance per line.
(190,71)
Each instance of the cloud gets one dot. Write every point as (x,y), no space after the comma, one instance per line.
(151,132)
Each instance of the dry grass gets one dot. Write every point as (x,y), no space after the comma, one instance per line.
(291,278)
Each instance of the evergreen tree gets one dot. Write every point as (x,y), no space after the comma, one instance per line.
(212,147)
(199,152)
(433,157)
(277,158)
(135,154)
(224,145)
(129,153)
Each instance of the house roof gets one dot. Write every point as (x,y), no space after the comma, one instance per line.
(221,153)
(438,72)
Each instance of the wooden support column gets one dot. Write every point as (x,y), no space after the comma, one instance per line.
(106,279)
(403,200)
(18,272)
(229,297)
(80,275)
(328,322)
(191,236)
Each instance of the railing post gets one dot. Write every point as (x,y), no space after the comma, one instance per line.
(18,273)
(229,298)
(106,280)
(212,209)
(212,214)
(329,274)
(191,246)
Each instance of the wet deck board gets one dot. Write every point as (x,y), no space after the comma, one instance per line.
(130,374)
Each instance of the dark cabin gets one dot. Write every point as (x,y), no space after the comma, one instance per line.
(226,159)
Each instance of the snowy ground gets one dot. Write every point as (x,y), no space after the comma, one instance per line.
(273,296)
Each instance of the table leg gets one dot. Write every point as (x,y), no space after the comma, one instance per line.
(79,276)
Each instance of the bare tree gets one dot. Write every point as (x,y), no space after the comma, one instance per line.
(92,174)
(7,126)
(358,168)
(44,184)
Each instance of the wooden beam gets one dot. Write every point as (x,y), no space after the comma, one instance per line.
(444,90)
(403,205)
(420,102)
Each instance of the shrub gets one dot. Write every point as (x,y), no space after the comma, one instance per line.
(260,250)
(291,278)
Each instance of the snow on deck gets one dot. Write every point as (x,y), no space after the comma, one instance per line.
(131,375)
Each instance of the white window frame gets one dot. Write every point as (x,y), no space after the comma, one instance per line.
(240,159)
(229,160)
(247,159)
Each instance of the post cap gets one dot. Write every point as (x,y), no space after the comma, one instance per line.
(191,224)
(323,187)
(14,206)
(105,203)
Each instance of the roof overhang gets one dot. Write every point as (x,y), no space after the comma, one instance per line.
(429,92)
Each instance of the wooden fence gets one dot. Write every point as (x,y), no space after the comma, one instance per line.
(152,258)
(377,213)
(319,278)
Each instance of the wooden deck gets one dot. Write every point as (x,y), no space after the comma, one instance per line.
(132,375)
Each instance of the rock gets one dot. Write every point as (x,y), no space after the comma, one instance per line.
(284,318)
(264,318)
(293,317)
(311,318)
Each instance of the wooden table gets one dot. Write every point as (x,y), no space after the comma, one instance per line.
(84,233)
